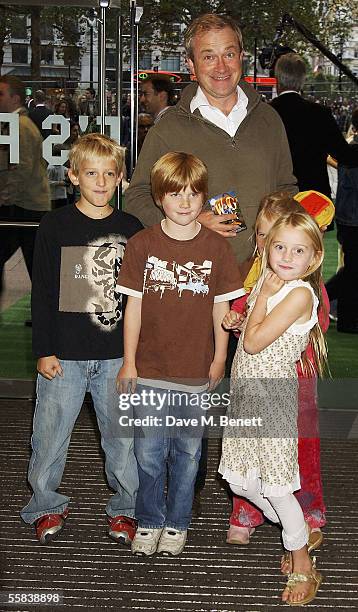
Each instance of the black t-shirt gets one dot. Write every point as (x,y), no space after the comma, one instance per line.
(77,311)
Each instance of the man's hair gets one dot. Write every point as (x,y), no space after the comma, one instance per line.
(16,87)
(176,171)
(290,72)
(91,91)
(40,96)
(95,146)
(145,116)
(205,23)
(161,83)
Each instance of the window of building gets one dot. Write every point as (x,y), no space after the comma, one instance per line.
(111,58)
(46,54)
(46,31)
(71,55)
(18,26)
(145,60)
(170,62)
(19,54)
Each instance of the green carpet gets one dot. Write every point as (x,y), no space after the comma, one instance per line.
(15,339)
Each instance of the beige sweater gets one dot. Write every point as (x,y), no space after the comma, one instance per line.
(26,184)
(253,163)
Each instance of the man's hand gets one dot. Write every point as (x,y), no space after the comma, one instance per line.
(217,223)
(49,367)
(216,374)
(271,285)
(233,320)
(126,381)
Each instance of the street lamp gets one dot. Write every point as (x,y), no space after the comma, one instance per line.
(90,21)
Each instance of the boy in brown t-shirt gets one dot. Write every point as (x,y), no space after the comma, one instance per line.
(179,277)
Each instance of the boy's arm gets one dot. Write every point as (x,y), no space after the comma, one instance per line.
(221,338)
(127,375)
(43,300)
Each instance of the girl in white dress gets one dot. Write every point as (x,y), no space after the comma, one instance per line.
(260,463)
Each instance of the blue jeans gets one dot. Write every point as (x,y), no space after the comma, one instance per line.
(165,451)
(58,405)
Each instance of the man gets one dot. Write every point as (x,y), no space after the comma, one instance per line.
(223,121)
(40,112)
(311,129)
(24,188)
(89,106)
(156,96)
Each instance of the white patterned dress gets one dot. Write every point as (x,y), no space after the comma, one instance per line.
(265,386)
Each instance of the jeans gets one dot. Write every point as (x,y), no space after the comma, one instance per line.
(58,405)
(169,453)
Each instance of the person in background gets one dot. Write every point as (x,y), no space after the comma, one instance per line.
(24,188)
(156,96)
(343,286)
(40,112)
(57,180)
(312,132)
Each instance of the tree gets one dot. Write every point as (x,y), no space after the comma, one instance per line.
(64,19)
(258,19)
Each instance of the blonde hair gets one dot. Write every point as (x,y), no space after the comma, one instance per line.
(95,146)
(303,221)
(174,172)
(205,23)
(272,207)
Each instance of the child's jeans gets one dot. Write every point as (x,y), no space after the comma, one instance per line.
(58,405)
(162,450)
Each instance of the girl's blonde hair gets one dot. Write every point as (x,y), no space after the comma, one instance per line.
(299,219)
(275,205)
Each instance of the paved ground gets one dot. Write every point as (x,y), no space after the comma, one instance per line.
(93,573)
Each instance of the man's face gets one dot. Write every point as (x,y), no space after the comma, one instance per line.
(8,103)
(150,99)
(217,65)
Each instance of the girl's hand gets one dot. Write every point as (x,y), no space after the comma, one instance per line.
(233,320)
(271,285)
(126,381)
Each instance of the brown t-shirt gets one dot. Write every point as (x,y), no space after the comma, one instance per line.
(178,282)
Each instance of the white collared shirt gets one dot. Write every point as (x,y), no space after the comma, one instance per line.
(160,114)
(229,123)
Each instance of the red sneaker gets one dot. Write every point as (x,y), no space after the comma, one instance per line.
(122,529)
(49,526)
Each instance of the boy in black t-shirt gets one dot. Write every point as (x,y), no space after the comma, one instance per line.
(77,315)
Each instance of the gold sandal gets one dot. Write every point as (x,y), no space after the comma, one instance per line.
(295,578)
(287,559)
(315,539)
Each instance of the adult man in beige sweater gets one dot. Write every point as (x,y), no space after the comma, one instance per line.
(24,188)
(223,121)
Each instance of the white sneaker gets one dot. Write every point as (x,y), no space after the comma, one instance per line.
(172,541)
(145,541)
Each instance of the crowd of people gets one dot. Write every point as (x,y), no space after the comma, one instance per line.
(219,254)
